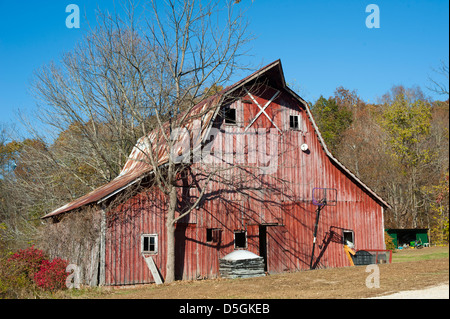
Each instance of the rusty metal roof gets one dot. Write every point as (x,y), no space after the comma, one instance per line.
(138,162)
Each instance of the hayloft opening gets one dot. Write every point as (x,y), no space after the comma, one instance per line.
(240,239)
(230,116)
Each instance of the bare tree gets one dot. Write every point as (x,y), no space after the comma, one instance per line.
(195,47)
(90,93)
(440,86)
(140,74)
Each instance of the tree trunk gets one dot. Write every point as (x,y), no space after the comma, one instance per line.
(170,228)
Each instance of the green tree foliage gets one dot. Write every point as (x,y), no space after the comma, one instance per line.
(332,119)
(408,126)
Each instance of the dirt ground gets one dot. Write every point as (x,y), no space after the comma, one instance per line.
(410,270)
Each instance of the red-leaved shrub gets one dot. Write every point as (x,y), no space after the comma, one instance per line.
(33,263)
(52,274)
(28,260)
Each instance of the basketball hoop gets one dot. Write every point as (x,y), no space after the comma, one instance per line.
(324,196)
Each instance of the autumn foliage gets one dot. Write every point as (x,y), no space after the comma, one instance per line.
(52,274)
(28,260)
(29,270)
(398,147)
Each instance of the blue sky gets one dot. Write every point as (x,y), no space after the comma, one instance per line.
(321,44)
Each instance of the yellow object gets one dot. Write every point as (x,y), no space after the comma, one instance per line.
(349,251)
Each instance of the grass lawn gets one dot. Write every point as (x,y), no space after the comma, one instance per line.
(419,254)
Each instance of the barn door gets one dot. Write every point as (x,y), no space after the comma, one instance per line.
(263,244)
(276,249)
(180,252)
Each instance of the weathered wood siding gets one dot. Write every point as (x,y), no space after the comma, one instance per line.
(76,239)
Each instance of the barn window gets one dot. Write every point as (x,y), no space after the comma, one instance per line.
(213,235)
(230,116)
(149,243)
(240,239)
(348,238)
(294,122)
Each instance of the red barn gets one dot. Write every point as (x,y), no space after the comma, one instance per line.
(267,134)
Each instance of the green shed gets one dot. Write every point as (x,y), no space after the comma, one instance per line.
(400,237)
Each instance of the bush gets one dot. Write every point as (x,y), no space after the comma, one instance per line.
(388,241)
(28,272)
(52,275)
(14,280)
(28,260)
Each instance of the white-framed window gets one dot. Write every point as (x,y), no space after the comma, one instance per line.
(149,243)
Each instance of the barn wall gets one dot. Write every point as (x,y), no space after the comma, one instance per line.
(281,200)
(76,238)
(141,214)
